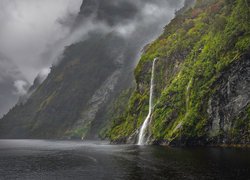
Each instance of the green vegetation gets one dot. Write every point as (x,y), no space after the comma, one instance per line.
(116,109)
(194,50)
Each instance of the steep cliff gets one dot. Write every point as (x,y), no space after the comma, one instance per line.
(202,84)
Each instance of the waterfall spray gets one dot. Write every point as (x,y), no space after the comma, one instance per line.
(143,129)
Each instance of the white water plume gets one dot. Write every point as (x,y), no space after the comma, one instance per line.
(143,130)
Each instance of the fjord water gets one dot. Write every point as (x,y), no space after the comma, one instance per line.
(43,159)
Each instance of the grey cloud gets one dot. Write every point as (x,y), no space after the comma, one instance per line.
(29,26)
(9,73)
(30,35)
(116,11)
(126,17)
(43,74)
(21,87)
(119,11)
(7,98)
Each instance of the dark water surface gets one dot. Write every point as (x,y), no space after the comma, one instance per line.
(42,159)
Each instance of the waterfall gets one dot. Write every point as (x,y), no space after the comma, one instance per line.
(142,134)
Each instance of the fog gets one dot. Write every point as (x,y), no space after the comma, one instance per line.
(29,30)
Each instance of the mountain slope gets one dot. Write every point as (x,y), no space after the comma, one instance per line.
(71,99)
(46,114)
(75,99)
(202,85)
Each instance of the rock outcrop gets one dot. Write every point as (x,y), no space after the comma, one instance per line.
(229,102)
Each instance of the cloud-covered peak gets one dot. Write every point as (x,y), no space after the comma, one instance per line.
(34,33)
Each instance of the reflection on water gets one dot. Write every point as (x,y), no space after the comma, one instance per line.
(42,159)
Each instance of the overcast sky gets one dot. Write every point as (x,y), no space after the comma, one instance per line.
(28,29)
(33,33)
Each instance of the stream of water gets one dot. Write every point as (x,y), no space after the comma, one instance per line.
(143,130)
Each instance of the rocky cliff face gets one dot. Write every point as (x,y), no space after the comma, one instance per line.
(202,83)
(229,121)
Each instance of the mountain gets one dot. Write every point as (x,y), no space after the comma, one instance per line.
(201,80)
(196,73)
(67,102)
(72,86)
(76,99)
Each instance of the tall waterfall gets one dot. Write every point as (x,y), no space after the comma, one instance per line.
(143,129)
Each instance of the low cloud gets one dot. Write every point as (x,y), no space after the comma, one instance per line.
(30,34)
(21,87)
(43,74)
(28,27)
